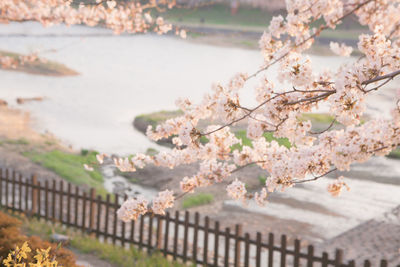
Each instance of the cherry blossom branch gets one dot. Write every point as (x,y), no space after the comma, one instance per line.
(317,33)
(383,77)
(315,178)
(312,99)
(248,114)
(327,129)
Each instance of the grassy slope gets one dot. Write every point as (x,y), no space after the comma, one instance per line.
(198,199)
(156,118)
(395,154)
(248,19)
(49,68)
(88,245)
(70,167)
(219,15)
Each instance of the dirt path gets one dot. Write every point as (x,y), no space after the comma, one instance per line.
(89,260)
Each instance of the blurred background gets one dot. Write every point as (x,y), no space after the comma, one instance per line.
(92,91)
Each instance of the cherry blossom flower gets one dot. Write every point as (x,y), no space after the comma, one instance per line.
(341,50)
(132,209)
(164,200)
(236,190)
(336,187)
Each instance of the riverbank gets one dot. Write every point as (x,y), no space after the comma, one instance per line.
(39,66)
(214,24)
(29,152)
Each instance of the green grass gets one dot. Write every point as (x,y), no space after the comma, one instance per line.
(262,179)
(246,17)
(219,14)
(317,118)
(152,151)
(156,118)
(323,118)
(198,199)
(88,245)
(70,167)
(118,256)
(394,154)
(20,141)
(242,135)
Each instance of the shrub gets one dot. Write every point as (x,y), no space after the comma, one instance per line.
(11,236)
(23,255)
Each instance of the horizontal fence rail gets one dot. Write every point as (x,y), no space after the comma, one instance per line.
(186,237)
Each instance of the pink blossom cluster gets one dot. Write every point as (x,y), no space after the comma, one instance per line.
(336,187)
(341,49)
(132,209)
(130,17)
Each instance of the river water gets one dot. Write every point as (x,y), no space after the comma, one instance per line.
(123,76)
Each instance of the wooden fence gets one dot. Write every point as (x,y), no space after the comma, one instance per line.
(184,237)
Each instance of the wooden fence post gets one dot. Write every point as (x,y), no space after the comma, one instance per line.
(258,250)
(338,257)
(92,209)
(115,221)
(20,193)
(6,194)
(123,226)
(176,234)
(325,260)
(367,263)
(246,250)
(166,236)
(159,233)
(53,202)
(238,235)
(98,216)
(205,246)
(61,202)
(34,194)
(69,193)
(216,243)
(13,176)
(384,263)
(227,245)
(185,236)
(195,236)
(283,250)
(310,256)
(46,200)
(150,235)
(84,197)
(1,186)
(296,262)
(106,218)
